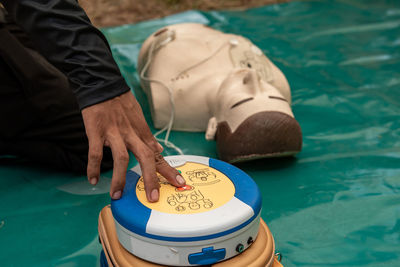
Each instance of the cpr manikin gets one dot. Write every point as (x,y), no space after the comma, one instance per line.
(199,79)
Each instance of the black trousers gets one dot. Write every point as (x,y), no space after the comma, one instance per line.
(39,116)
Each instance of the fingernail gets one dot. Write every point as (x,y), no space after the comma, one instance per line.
(117,195)
(154,195)
(180,179)
(93,181)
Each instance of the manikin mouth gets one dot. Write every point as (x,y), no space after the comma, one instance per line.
(264,134)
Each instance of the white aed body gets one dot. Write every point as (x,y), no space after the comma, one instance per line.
(216,216)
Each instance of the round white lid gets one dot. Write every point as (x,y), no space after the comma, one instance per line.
(218,199)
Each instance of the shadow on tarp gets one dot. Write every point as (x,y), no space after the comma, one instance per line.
(336,204)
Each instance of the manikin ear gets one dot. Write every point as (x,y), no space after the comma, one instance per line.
(211,128)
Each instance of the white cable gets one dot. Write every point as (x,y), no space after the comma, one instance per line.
(168,126)
(203,60)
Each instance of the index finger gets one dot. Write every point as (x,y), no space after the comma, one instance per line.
(170,173)
(145,157)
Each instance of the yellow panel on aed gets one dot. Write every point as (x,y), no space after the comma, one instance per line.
(206,189)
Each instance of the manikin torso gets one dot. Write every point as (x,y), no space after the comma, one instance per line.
(207,71)
(222,84)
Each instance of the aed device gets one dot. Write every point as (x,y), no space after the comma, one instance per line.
(215,217)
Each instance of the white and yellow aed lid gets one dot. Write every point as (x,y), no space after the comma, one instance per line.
(213,218)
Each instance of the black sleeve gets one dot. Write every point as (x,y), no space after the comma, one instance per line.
(62,32)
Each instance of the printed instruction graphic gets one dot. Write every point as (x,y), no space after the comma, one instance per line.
(193,200)
(202,176)
(161,181)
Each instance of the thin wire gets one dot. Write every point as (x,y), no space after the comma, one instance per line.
(168,126)
(203,60)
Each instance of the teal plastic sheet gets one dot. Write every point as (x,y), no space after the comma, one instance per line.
(336,204)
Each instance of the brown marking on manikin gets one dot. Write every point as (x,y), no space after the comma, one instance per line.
(161,31)
(241,102)
(263,134)
(277,97)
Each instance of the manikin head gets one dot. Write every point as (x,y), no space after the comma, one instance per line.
(251,119)
(221,84)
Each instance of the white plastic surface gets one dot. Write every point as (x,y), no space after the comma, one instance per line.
(177,253)
(226,217)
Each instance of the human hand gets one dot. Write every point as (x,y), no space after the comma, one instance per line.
(119,124)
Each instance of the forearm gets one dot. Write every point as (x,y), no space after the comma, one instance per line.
(61,31)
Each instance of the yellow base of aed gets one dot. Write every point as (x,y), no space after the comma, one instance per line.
(260,254)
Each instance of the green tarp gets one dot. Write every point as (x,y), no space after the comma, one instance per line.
(336,204)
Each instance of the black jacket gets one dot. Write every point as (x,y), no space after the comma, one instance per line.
(61,31)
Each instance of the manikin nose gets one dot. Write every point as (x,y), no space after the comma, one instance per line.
(252,81)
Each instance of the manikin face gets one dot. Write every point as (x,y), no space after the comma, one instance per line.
(243,94)
(249,115)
